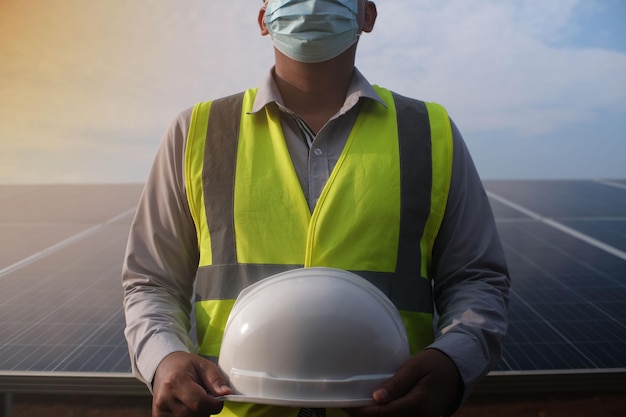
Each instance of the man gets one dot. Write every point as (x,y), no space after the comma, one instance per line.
(316,168)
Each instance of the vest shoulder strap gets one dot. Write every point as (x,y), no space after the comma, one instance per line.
(425,133)
(211,140)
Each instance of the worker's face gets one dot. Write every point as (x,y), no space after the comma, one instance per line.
(366,16)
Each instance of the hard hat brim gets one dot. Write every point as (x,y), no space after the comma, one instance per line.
(298,402)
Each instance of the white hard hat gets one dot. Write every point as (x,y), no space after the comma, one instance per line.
(311,337)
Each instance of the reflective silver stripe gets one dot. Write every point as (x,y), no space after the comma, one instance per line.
(223,282)
(218,176)
(416,180)
(408,292)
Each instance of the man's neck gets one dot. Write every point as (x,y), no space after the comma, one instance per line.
(317,91)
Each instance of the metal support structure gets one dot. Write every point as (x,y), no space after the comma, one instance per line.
(89,383)
(6,402)
(553,381)
(501,383)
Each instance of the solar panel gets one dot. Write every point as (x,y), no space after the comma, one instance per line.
(565,244)
(61,250)
(60,298)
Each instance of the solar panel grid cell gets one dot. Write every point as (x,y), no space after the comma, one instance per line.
(610,231)
(564,198)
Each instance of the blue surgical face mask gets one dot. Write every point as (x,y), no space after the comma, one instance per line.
(312,30)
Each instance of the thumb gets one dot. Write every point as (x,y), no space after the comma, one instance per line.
(392,389)
(381,396)
(213,378)
(402,382)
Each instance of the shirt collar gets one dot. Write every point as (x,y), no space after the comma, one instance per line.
(359,88)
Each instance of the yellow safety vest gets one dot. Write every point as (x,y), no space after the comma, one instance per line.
(378,215)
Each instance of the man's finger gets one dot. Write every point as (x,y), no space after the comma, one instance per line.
(196,399)
(213,378)
(398,385)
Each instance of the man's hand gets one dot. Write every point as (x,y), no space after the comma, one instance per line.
(425,386)
(186,385)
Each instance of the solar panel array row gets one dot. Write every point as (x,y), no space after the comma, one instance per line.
(61,249)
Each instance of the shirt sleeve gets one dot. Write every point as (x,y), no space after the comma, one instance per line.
(161,261)
(471,284)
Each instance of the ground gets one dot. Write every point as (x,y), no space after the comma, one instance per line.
(545,405)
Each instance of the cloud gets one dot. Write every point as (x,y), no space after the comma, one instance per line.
(75,76)
(86,82)
(495,64)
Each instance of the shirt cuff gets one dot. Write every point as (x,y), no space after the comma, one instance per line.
(467,355)
(156,349)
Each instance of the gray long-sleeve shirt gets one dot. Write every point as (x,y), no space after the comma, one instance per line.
(471,278)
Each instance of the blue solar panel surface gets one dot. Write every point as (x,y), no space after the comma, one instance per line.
(60,262)
(565,243)
(61,249)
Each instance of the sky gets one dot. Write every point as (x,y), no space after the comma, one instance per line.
(88,88)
